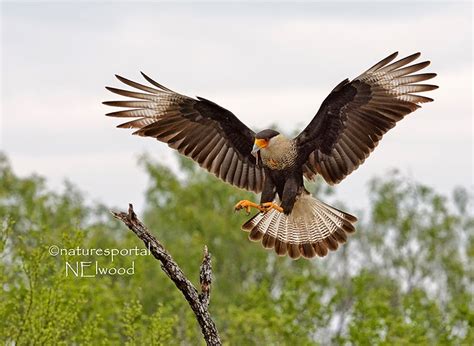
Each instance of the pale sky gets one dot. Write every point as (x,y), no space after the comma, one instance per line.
(267,63)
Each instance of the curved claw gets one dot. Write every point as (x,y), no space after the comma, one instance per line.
(248,205)
(270,205)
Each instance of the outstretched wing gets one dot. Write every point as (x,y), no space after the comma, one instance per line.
(200,129)
(356,114)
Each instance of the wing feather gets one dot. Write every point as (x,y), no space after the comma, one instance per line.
(198,128)
(356,114)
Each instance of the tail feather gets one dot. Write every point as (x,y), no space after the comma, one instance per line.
(312,228)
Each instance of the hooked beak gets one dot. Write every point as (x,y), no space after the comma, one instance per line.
(255,150)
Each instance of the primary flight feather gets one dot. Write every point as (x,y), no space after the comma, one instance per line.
(348,126)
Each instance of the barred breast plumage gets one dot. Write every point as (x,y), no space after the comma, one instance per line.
(280,154)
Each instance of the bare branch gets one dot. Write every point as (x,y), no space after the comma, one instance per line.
(205,278)
(198,302)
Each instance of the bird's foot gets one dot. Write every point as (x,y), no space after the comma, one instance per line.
(248,205)
(263,208)
(270,205)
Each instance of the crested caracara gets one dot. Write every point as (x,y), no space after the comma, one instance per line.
(348,126)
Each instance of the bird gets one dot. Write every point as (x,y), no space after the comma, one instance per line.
(348,126)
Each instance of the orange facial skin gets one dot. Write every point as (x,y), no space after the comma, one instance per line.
(261,143)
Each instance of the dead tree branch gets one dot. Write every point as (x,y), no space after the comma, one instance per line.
(197,301)
(205,278)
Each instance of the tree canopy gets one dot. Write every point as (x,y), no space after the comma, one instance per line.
(405,277)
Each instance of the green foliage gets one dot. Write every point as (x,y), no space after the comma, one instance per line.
(39,304)
(404,278)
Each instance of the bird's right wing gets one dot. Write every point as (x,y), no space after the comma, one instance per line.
(200,129)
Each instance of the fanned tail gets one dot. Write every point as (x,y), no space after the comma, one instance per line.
(312,228)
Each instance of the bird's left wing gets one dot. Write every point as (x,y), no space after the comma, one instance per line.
(353,118)
(200,129)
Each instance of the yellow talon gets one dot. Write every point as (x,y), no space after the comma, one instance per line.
(247,205)
(270,205)
(265,207)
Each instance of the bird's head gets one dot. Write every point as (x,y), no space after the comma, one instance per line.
(263,140)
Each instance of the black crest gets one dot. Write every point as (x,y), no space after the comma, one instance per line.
(267,134)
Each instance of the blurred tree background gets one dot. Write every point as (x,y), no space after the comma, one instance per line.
(405,277)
